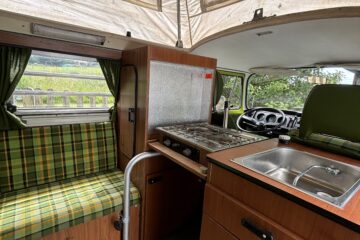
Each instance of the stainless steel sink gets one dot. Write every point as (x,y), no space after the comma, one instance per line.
(326,179)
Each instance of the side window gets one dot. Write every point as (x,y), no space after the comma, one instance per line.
(209,5)
(232,90)
(151,4)
(56,83)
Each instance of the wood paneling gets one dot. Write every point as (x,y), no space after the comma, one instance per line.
(290,215)
(126,101)
(99,229)
(180,57)
(350,212)
(137,57)
(210,230)
(159,164)
(179,159)
(173,197)
(57,45)
(141,58)
(229,213)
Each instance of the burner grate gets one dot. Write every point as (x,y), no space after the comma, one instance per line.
(209,137)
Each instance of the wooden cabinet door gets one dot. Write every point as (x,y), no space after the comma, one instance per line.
(126,102)
(210,230)
(173,197)
(240,220)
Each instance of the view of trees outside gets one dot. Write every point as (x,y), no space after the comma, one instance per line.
(46,64)
(288,93)
(232,91)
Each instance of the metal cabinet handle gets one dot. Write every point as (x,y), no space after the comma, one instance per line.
(258,232)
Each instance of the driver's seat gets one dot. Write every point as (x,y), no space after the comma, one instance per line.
(331,119)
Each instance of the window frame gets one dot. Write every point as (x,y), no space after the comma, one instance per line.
(241,75)
(247,90)
(207,8)
(140,3)
(38,119)
(58,116)
(248,79)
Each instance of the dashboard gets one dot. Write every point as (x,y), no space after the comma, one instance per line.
(292,118)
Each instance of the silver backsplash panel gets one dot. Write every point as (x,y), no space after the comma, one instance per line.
(178,94)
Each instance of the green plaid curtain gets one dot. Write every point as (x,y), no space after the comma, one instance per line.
(111,71)
(13,62)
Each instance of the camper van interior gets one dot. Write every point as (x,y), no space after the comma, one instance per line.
(179,120)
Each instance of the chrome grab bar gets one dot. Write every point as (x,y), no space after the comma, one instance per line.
(125,219)
(331,170)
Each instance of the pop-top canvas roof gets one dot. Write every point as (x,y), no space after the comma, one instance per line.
(156,20)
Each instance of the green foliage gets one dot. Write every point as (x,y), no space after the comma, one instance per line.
(232,89)
(286,92)
(87,70)
(63,84)
(61,60)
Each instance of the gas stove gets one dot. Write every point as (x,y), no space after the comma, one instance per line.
(191,140)
(210,137)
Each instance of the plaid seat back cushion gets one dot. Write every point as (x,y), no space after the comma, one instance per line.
(330,143)
(34,156)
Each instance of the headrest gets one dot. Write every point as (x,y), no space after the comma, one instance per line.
(332,110)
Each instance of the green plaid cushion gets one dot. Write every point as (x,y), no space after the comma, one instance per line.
(330,143)
(34,156)
(36,211)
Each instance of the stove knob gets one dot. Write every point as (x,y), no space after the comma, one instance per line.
(175,145)
(187,152)
(167,142)
(203,169)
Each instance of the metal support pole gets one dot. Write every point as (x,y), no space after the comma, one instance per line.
(179,42)
(126,217)
(226,114)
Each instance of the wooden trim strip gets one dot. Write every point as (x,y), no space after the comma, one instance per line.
(185,162)
(180,57)
(40,43)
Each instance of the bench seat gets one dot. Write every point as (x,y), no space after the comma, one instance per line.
(37,211)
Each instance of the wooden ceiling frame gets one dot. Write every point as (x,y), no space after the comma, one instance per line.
(54,45)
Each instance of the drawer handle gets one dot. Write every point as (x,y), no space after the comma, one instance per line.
(258,232)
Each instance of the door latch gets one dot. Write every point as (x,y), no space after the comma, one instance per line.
(131,113)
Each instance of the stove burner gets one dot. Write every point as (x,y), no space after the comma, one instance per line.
(198,129)
(209,137)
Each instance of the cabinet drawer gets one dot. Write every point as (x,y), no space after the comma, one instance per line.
(210,230)
(295,218)
(240,220)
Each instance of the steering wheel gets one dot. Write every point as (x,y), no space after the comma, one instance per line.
(248,119)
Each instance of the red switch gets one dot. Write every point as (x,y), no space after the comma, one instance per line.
(208,75)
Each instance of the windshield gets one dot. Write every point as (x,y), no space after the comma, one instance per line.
(289,92)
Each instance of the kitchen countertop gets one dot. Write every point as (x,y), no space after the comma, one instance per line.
(349,215)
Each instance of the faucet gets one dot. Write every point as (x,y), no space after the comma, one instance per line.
(331,170)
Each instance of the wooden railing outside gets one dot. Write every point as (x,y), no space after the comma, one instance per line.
(28,98)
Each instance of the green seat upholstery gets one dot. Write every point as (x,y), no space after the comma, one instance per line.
(37,211)
(34,156)
(330,143)
(56,177)
(331,119)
